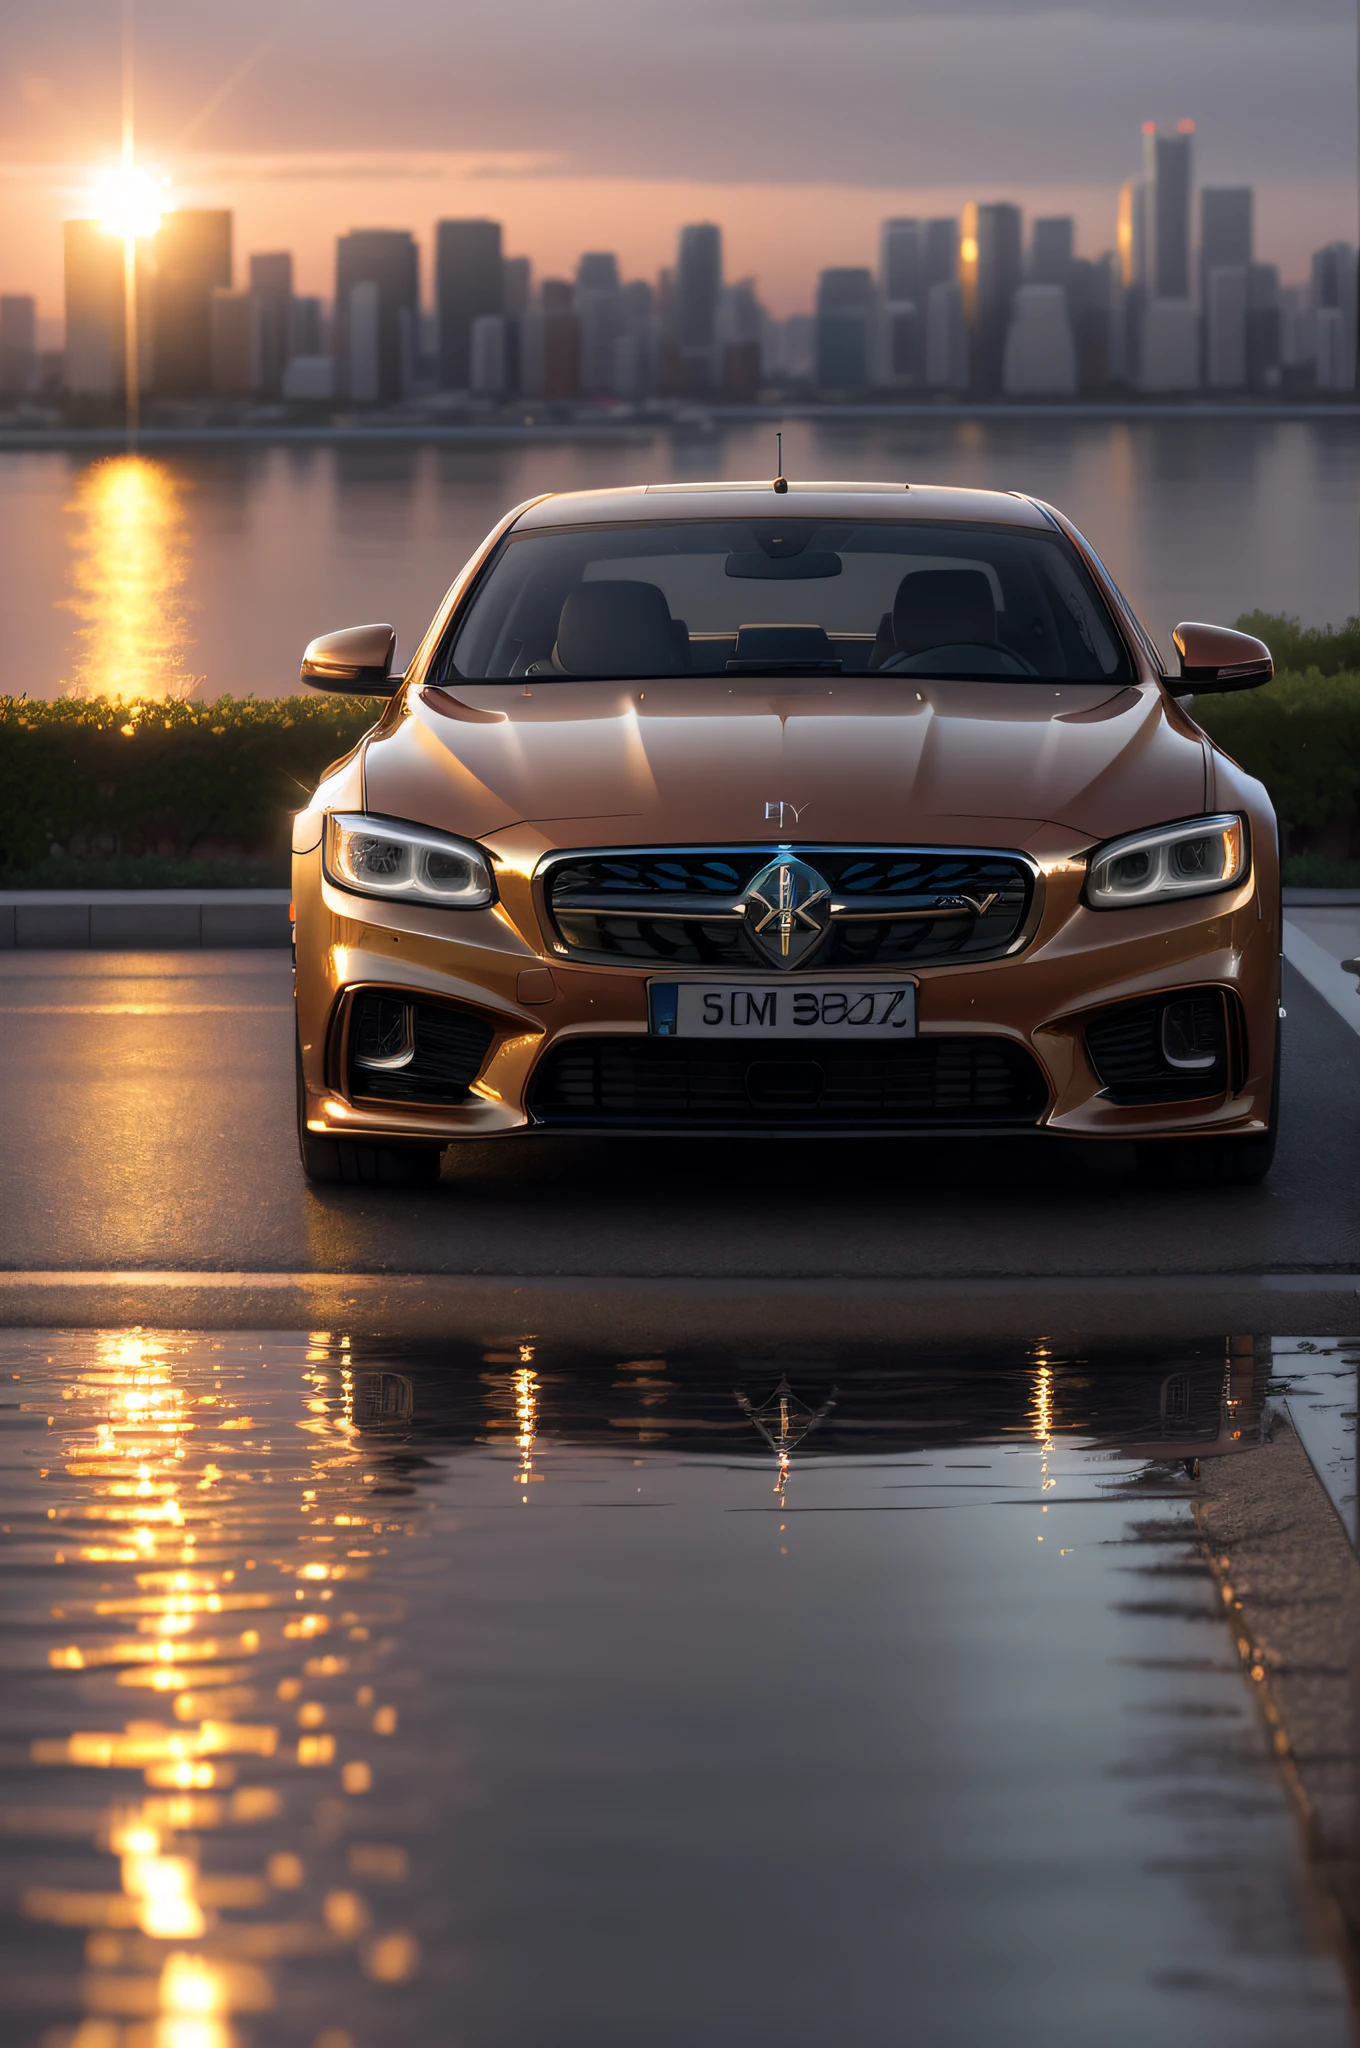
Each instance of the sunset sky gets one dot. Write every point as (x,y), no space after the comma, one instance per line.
(797,124)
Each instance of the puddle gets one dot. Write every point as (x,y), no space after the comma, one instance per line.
(362,1698)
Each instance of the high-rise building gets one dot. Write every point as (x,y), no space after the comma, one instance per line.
(551,350)
(486,356)
(271,292)
(517,284)
(94,310)
(1095,306)
(1331,296)
(698,285)
(600,316)
(946,337)
(469,280)
(1040,360)
(900,354)
(377,309)
(939,252)
(306,327)
(233,333)
(1052,250)
(1166,184)
(1225,327)
(695,288)
(18,345)
(901,275)
(192,261)
(990,262)
(637,352)
(1169,350)
(1265,328)
(1225,213)
(846,306)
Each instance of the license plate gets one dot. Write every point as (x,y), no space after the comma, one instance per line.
(737,1009)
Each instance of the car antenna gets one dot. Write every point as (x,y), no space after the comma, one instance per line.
(781,482)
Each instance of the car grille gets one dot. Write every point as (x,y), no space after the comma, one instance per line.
(1128,1048)
(682,908)
(659,1083)
(404,1051)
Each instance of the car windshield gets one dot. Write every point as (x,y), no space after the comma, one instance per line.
(785,596)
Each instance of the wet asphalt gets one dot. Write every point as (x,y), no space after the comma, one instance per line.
(393,1697)
(146,1102)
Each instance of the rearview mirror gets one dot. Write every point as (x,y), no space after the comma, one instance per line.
(1217,658)
(355,663)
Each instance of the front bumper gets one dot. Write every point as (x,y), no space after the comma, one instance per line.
(1078,963)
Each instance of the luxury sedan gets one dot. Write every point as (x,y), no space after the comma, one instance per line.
(788,811)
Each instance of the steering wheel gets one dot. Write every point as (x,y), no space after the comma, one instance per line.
(960,657)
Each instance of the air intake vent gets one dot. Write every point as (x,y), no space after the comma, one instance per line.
(666,1083)
(405,1051)
(1176,1049)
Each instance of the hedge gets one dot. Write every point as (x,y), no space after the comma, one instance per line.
(164,795)
(161,795)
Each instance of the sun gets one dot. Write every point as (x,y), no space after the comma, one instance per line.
(129,200)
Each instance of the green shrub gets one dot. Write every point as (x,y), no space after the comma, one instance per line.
(1311,871)
(88,787)
(1330,650)
(1300,735)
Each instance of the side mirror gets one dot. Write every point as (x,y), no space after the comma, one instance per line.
(1217,658)
(356,662)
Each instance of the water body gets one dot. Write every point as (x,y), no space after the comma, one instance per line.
(206,570)
(359,1696)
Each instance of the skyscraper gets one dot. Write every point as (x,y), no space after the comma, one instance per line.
(551,345)
(1052,250)
(1224,228)
(901,276)
(900,354)
(271,293)
(192,261)
(990,253)
(940,252)
(698,285)
(469,282)
(18,345)
(377,308)
(846,304)
(1166,183)
(600,315)
(1332,302)
(94,309)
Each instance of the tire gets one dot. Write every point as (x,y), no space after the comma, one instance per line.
(1215,1162)
(351,1162)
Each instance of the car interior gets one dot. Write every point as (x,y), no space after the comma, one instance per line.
(704,598)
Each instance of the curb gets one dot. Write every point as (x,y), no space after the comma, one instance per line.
(143,918)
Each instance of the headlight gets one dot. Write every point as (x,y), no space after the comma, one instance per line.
(383,857)
(1190,859)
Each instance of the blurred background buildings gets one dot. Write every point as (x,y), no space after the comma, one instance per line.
(985,307)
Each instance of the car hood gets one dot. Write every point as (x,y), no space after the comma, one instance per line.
(854,758)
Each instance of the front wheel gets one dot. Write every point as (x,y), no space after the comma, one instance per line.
(360,1162)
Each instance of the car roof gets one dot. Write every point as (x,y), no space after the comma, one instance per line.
(750,500)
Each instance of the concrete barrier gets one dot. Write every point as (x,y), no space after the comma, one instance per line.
(143,920)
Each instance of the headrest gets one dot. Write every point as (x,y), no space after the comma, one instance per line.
(617,629)
(939,607)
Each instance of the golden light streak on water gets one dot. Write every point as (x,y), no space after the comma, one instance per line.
(128,572)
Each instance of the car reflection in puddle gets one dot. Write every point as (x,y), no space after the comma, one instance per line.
(360,1696)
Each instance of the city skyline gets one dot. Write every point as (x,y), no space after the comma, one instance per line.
(796,123)
(982,304)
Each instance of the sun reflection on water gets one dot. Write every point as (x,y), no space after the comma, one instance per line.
(203,1556)
(129,568)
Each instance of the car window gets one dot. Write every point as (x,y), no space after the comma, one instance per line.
(780,596)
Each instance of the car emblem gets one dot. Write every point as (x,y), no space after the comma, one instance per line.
(788,909)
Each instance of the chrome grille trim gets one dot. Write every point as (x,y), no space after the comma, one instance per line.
(676,926)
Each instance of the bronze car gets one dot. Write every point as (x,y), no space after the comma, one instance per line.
(834,809)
